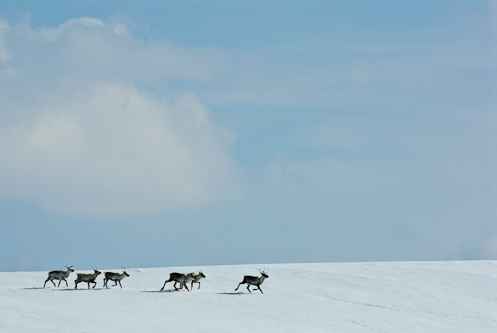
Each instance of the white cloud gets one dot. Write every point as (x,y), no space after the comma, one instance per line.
(117,150)
(51,34)
(87,49)
(84,139)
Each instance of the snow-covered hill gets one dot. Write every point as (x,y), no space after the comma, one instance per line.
(453,296)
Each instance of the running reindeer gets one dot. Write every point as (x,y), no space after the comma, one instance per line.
(180,278)
(196,279)
(254,281)
(116,277)
(59,275)
(88,278)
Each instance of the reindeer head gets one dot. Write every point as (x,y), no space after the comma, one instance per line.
(70,268)
(124,271)
(263,273)
(201,274)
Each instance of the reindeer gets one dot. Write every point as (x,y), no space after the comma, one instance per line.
(182,279)
(197,278)
(88,278)
(116,277)
(254,280)
(59,275)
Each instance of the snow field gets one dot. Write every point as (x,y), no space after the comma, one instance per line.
(453,296)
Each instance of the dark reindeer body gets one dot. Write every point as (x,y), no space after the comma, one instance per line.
(180,278)
(253,281)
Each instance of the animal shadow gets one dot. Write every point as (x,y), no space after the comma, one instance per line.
(233,293)
(160,291)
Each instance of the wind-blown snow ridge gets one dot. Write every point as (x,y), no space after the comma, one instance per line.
(452,296)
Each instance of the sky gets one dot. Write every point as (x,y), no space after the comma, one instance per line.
(182,133)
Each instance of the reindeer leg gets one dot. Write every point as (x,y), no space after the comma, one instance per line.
(66,283)
(248,288)
(53,283)
(238,286)
(259,286)
(184,284)
(164,285)
(120,285)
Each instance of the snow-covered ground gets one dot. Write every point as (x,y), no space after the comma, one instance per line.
(452,296)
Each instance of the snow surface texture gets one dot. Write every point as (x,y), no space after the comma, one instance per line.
(452,296)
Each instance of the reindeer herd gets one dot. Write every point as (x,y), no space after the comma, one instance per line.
(182,279)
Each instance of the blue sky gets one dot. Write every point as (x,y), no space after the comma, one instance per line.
(164,133)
